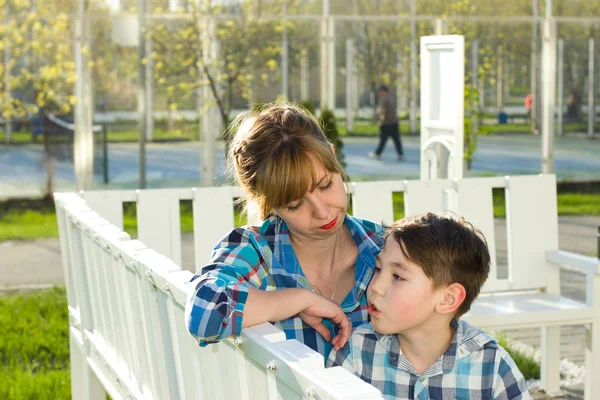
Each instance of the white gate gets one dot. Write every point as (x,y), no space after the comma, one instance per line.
(442,106)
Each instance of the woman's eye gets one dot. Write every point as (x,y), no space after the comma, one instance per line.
(322,188)
(294,207)
(398,277)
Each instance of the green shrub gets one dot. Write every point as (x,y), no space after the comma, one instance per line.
(329,126)
(526,364)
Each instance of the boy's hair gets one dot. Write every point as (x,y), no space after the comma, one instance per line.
(448,250)
(273,154)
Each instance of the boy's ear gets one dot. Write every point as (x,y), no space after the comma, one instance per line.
(454,295)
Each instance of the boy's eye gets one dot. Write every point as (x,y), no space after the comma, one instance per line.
(376,270)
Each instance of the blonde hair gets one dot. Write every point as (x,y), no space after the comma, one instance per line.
(273,154)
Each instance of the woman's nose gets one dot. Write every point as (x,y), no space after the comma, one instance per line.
(320,209)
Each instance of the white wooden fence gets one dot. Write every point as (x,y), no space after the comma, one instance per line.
(126,297)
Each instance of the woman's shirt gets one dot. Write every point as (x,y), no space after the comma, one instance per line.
(263,256)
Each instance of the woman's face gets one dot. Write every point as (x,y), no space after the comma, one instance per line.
(319,213)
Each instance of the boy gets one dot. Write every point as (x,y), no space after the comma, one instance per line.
(429,272)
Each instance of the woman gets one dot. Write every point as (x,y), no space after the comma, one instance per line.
(308,263)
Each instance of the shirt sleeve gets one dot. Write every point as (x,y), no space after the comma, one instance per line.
(509,383)
(342,358)
(215,306)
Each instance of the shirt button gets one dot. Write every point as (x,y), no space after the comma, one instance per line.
(421,379)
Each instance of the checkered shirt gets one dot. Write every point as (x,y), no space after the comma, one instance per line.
(263,257)
(475,366)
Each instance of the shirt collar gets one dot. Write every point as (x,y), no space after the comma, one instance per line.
(466,339)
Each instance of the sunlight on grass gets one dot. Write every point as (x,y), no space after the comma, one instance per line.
(34,346)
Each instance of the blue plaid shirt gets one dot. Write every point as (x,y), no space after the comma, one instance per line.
(475,366)
(262,256)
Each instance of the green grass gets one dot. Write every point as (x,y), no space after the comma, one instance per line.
(34,219)
(34,346)
(185,132)
(368,128)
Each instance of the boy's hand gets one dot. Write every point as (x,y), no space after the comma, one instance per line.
(320,308)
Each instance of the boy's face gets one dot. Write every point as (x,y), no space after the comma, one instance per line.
(401,297)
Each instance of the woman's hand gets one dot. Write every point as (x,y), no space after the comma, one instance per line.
(319,308)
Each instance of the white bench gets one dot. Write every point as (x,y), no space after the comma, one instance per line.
(529,295)
(126,301)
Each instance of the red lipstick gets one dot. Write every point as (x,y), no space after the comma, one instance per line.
(330,225)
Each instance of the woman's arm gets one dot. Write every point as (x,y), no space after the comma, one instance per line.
(231,292)
(286,303)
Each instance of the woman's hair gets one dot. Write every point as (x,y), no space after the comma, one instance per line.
(274,153)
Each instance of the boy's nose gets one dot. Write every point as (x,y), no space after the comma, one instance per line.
(377,286)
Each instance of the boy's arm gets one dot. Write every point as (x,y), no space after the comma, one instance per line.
(342,358)
(509,383)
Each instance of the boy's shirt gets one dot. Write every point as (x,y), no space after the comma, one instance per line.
(475,366)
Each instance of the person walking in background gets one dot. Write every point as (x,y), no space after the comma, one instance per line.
(388,124)
(528,107)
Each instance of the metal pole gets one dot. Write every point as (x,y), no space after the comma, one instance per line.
(413,66)
(149,92)
(304,76)
(324,55)
(399,91)
(83,154)
(284,55)
(548,95)
(105,154)
(349,86)
(439,26)
(208,113)
(142,95)
(7,72)
(534,67)
(499,79)
(560,88)
(331,64)
(591,91)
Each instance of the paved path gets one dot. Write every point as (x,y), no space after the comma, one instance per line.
(178,164)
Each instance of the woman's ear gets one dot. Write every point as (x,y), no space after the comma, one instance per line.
(454,296)
(332,147)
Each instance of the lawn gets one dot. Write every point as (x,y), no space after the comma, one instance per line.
(189,131)
(34,346)
(32,219)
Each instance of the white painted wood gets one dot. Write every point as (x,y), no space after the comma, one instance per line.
(550,360)
(159,225)
(373,200)
(532,229)
(108,203)
(476,205)
(213,218)
(425,196)
(442,105)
